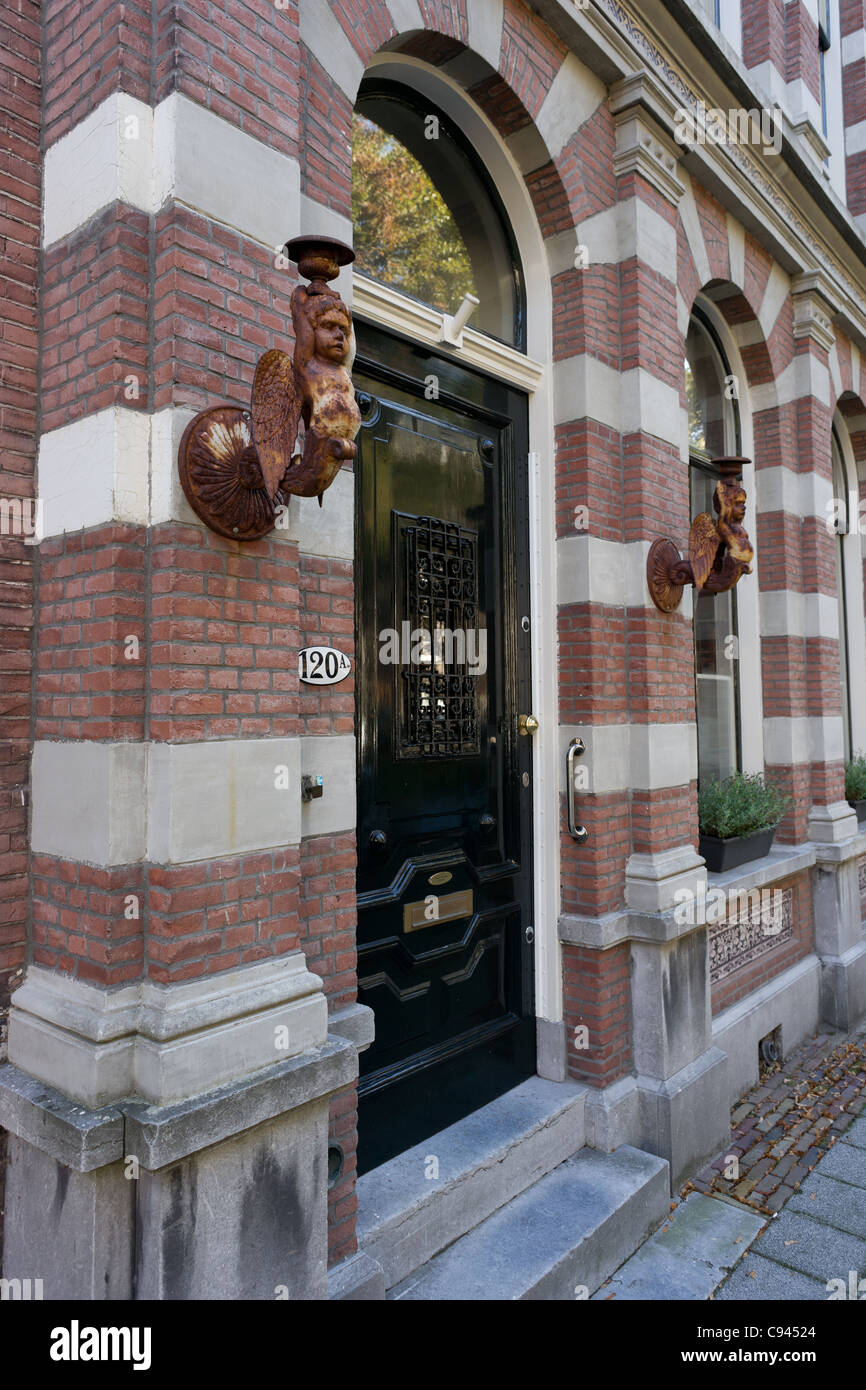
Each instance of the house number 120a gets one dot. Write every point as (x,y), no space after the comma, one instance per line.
(322,665)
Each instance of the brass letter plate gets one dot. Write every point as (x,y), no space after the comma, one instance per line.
(447,909)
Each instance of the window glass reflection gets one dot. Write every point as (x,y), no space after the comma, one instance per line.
(713,433)
(425,219)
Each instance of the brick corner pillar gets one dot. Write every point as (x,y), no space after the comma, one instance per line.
(832,822)
(19,320)
(681,1077)
(765,27)
(172,1071)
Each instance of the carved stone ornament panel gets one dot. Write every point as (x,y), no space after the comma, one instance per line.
(746,936)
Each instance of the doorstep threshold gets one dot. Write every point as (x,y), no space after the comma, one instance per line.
(421,1201)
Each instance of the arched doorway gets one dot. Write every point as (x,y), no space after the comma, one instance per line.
(443,637)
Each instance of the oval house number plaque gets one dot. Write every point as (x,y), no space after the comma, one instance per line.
(323,665)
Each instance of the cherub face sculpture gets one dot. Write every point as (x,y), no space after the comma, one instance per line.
(729,501)
(332,329)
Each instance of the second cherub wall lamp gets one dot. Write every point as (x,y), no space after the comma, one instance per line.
(238,466)
(720,552)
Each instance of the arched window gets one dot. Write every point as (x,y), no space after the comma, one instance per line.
(427,221)
(714,432)
(845,494)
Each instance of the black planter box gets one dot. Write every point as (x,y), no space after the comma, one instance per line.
(860,808)
(740,849)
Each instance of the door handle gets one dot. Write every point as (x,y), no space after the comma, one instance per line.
(377,839)
(527,723)
(575,748)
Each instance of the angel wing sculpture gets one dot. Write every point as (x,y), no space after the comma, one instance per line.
(720,551)
(236,466)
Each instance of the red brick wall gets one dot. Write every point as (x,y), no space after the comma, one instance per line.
(714,227)
(531,55)
(223,630)
(95,302)
(366,24)
(92,48)
(19,260)
(328,918)
(801,41)
(236,57)
(326,618)
(597,995)
(92,597)
(193,919)
(852,17)
(326,171)
(447,17)
(327,913)
(593,874)
(588,475)
(220,625)
(586,313)
(20,96)
(215,915)
(80,921)
(764,37)
(220,301)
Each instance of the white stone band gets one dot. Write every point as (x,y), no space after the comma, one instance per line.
(591,569)
(121,465)
(171,803)
(125,151)
(643,757)
(792,741)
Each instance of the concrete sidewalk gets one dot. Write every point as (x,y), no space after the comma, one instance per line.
(689,1256)
(715,1247)
(820,1236)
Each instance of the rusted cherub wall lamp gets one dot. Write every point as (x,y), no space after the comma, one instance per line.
(720,552)
(238,466)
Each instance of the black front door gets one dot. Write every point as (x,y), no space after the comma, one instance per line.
(444,800)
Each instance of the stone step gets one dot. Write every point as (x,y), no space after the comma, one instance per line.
(412,1207)
(690,1255)
(557,1241)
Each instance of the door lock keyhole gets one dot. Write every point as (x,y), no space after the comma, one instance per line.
(530,935)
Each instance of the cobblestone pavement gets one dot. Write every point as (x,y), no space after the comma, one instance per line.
(791,1119)
(816,1248)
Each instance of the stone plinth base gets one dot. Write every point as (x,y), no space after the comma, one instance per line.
(686,1118)
(222,1196)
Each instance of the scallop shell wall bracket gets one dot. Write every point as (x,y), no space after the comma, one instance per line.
(719,550)
(237,467)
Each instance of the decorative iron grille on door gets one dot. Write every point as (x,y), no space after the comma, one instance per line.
(439,707)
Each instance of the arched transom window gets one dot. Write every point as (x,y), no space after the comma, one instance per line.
(426,219)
